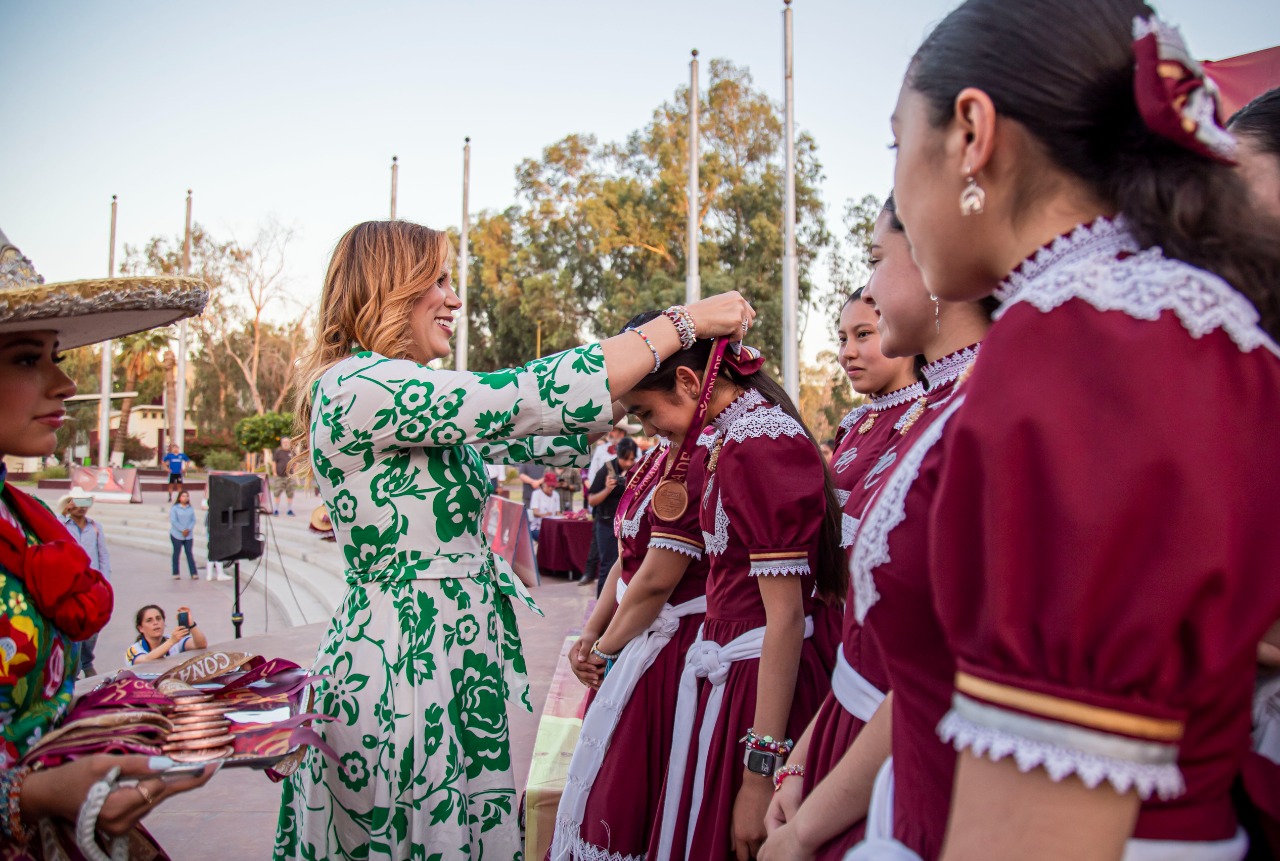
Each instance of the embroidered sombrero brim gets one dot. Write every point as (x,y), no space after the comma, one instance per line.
(87,312)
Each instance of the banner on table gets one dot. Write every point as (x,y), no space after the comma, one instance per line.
(506,523)
(107,483)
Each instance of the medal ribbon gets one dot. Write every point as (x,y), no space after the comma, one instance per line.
(678,467)
(636,487)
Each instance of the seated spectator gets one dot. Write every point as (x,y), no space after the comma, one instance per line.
(545,503)
(74,509)
(153,645)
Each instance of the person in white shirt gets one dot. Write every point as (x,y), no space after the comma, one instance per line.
(544,503)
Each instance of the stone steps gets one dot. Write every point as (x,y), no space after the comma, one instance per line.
(300,574)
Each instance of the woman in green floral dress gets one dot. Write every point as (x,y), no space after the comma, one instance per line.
(423,656)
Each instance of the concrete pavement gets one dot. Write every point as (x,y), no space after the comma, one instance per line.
(234,816)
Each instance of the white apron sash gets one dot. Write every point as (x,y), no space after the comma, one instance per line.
(880,844)
(855,694)
(602,717)
(710,661)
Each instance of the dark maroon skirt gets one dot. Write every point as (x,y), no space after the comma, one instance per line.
(834,731)
(624,803)
(713,839)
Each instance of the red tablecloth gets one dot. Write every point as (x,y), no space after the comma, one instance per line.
(564,544)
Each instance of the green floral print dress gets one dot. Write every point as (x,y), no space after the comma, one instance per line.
(423,656)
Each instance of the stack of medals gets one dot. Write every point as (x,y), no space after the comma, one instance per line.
(200,731)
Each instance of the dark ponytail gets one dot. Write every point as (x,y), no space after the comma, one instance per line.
(1065,72)
(832,574)
(1260,122)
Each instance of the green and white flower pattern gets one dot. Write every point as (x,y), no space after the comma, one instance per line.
(423,657)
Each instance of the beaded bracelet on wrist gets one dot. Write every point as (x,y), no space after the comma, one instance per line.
(602,655)
(657,360)
(11,824)
(767,743)
(683,321)
(785,772)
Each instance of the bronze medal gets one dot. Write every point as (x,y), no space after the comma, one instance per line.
(214,732)
(204,743)
(212,727)
(670,499)
(208,755)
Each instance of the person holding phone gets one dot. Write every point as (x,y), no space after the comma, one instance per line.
(603,497)
(153,645)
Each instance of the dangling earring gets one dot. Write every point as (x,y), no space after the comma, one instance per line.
(937,314)
(973,200)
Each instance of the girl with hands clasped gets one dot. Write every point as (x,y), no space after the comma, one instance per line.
(50,598)
(633,648)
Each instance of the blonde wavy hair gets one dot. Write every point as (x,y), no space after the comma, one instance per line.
(378,271)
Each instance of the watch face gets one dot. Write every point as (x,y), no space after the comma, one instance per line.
(761,762)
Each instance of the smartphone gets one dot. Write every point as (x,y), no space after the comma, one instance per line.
(184,619)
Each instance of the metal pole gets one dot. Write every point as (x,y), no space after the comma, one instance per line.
(104,405)
(180,410)
(395,175)
(790,269)
(538,348)
(692,278)
(464,252)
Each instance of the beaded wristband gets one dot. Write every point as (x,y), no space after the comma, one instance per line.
(683,321)
(604,656)
(785,772)
(767,743)
(11,824)
(657,360)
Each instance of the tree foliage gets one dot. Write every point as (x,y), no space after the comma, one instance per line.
(264,432)
(597,233)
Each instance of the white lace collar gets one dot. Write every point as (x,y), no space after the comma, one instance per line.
(743,404)
(897,398)
(1084,265)
(855,415)
(949,367)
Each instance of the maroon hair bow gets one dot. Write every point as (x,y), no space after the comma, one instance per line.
(1175,98)
(744,360)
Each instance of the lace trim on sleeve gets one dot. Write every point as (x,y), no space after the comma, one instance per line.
(1060,761)
(676,546)
(886,512)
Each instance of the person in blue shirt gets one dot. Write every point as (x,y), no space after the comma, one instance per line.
(182,527)
(177,462)
(75,516)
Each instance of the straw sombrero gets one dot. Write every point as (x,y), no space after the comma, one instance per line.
(97,309)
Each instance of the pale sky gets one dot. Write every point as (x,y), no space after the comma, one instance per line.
(294,109)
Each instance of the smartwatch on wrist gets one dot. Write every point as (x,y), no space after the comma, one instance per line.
(762,762)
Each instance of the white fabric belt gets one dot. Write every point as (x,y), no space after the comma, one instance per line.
(710,661)
(855,694)
(602,717)
(880,844)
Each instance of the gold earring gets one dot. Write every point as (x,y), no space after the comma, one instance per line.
(937,314)
(973,200)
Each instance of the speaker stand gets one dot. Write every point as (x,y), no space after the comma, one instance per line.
(237,618)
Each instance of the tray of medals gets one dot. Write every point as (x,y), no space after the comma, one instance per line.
(242,710)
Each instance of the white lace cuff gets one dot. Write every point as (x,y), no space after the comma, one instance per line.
(1063,749)
(675,545)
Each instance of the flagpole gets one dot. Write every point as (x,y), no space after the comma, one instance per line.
(104,405)
(395,176)
(464,253)
(692,278)
(180,413)
(790,269)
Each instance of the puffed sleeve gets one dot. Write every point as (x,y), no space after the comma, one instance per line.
(370,403)
(772,491)
(1091,541)
(684,534)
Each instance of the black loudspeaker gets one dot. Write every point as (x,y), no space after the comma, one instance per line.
(233,517)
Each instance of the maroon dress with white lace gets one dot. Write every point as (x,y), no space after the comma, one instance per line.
(868,459)
(761,517)
(622,802)
(1090,601)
